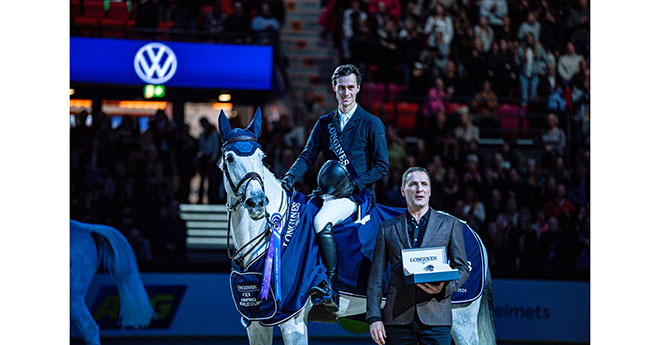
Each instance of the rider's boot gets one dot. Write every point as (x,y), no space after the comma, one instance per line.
(326,292)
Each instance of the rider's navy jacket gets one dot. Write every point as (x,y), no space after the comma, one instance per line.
(363,140)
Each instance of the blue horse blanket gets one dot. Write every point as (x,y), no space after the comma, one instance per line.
(302,269)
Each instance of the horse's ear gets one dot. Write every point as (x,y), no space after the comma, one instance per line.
(255,125)
(225,127)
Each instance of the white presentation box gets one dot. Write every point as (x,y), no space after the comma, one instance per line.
(426,265)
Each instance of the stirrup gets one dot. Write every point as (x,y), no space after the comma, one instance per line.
(324,294)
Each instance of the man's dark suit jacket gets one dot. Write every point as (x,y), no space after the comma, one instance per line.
(403,300)
(363,140)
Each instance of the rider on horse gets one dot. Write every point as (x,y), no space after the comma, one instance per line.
(354,144)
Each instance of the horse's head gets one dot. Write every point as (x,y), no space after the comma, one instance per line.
(241,162)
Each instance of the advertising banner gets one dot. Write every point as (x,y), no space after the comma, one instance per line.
(177,64)
(200,304)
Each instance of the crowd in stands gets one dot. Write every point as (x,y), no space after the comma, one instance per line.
(240,21)
(531,209)
(534,53)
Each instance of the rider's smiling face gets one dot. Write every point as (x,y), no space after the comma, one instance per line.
(346,89)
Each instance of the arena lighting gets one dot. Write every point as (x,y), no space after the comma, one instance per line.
(71,92)
(141,105)
(80,103)
(225,97)
(154,91)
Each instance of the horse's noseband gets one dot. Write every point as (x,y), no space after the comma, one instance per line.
(236,188)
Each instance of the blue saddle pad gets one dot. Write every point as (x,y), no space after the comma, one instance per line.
(474,286)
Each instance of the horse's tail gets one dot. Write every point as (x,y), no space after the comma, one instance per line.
(485,320)
(118,259)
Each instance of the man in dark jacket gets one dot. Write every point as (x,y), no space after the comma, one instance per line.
(419,313)
(357,140)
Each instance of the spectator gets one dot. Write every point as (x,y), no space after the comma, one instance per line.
(554,139)
(450,188)
(436,56)
(569,63)
(471,175)
(388,40)
(350,22)
(186,158)
(411,42)
(580,96)
(551,88)
(500,66)
(476,65)
(265,24)
(560,206)
(209,146)
(532,61)
(552,32)
(530,26)
(396,148)
(439,21)
(485,33)
(362,45)
(484,106)
(435,99)
(391,7)
(454,84)
(505,32)
(171,236)
(146,14)
(140,245)
(213,20)
(466,131)
(474,211)
(237,24)
(278,11)
(186,14)
(578,27)
(494,10)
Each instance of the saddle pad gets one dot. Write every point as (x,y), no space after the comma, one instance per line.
(474,286)
(245,287)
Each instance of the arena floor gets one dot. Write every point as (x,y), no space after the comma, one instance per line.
(244,341)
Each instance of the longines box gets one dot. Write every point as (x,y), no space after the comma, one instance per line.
(426,265)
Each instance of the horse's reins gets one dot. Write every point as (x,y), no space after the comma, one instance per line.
(240,198)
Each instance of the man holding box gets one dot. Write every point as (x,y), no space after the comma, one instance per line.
(419,313)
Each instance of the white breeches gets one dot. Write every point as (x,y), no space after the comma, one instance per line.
(333,211)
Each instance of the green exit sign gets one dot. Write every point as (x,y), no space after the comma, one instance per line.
(154,91)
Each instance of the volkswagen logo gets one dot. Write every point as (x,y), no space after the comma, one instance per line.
(155,63)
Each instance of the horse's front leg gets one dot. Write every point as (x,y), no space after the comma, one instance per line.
(464,323)
(294,331)
(260,335)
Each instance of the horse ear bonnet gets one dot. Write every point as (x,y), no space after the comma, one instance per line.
(334,179)
(240,147)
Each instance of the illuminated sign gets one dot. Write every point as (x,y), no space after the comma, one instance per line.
(155,63)
(164,298)
(154,91)
(176,64)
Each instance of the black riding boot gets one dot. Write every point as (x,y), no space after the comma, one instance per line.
(326,292)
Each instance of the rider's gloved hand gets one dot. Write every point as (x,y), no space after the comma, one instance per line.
(287,183)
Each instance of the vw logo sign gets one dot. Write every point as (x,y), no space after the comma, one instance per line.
(155,63)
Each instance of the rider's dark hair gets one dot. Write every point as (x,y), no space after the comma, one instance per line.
(346,70)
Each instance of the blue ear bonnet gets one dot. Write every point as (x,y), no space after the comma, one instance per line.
(242,141)
(242,147)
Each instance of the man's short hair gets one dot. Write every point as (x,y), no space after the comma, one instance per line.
(346,70)
(410,170)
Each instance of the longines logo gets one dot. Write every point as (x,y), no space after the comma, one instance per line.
(424,259)
(155,63)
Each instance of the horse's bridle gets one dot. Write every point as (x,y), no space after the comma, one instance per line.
(240,198)
(236,188)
